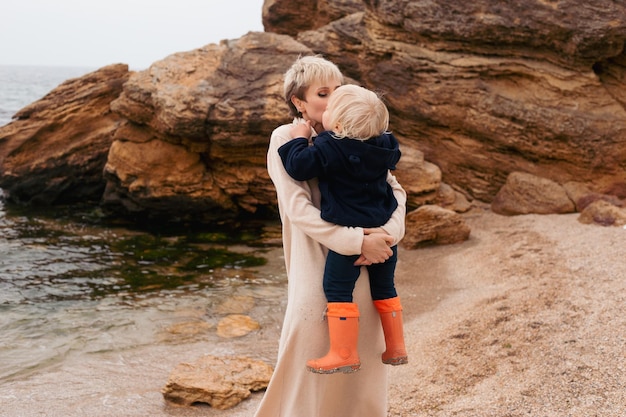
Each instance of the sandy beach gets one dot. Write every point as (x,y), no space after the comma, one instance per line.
(533,325)
(526,318)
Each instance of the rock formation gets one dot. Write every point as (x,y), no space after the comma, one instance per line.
(220,382)
(525,193)
(282,16)
(603,213)
(56,148)
(486,88)
(432,224)
(476,90)
(197,130)
(236,325)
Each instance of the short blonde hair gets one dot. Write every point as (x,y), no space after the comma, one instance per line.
(305,72)
(356,112)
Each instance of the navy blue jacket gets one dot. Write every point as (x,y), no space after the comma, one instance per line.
(352,176)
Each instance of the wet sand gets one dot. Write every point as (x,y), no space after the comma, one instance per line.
(524,318)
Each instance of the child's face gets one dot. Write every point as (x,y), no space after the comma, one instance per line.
(316,99)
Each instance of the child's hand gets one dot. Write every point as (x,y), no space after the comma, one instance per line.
(301,130)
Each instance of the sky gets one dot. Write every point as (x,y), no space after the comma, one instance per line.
(95,33)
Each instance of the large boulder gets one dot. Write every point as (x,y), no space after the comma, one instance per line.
(198,124)
(526,193)
(287,17)
(486,87)
(55,149)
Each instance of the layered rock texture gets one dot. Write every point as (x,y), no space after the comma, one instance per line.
(477,91)
(55,149)
(220,382)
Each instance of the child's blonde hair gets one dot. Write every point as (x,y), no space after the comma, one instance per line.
(303,73)
(356,112)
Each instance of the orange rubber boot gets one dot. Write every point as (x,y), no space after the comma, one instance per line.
(390,311)
(343,328)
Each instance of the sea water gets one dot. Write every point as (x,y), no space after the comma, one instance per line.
(71,285)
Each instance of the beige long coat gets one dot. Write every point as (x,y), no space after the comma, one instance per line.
(293,391)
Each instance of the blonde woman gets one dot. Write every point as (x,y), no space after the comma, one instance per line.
(351,160)
(293,390)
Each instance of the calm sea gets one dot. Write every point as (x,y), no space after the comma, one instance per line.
(71,285)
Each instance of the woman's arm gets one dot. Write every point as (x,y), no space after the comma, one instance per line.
(296,204)
(395,226)
(376,248)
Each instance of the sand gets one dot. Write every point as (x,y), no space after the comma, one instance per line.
(534,324)
(526,318)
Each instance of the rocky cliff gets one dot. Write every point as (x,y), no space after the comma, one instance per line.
(54,150)
(477,91)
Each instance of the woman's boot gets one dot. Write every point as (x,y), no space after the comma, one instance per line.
(343,328)
(390,311)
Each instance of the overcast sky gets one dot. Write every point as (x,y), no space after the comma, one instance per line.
(88,33)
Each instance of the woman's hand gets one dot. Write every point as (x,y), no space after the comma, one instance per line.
(375,249)
(367,231)
(301,130)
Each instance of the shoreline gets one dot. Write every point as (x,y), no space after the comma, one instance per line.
(519,320)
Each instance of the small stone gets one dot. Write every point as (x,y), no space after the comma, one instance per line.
(220,382)
(603,213)
(236,305)
(189,328)
(236,325)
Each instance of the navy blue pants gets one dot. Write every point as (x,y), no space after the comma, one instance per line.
(340,277)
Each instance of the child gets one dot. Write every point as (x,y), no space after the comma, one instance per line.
(351,160)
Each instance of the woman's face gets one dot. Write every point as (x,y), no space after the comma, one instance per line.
(315,100)
(326,120)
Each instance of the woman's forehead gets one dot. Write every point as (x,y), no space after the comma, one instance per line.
(330,83)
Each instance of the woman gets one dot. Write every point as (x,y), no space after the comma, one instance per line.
(293,391)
